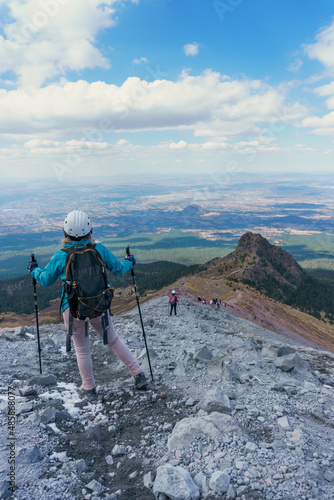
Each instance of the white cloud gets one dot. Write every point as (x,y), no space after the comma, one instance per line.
(209,104)
(75,123)
(322,126)
(323,48)
(178,145)
(47,38)
(191,49)
(140,61)
(295,65)
(323,51)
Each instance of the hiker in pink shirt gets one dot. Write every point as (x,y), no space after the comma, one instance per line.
(173,300)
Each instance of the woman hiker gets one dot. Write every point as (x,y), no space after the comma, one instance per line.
(78,231)
(173,300)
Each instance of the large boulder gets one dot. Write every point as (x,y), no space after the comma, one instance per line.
(213,425)
(176,483)
(216,400)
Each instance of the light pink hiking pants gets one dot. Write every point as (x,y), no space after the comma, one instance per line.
(82,348)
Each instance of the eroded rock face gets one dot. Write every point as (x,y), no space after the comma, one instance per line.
(235,410)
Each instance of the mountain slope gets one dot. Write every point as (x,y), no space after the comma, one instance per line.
(264,284)
(275,273)
(233,407)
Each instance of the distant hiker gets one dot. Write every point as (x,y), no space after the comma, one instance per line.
(218,305)
(78,236)
(199,298)
(203,300)
(173,300)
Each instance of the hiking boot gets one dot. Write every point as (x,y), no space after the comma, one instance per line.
(141,382)
(89,394)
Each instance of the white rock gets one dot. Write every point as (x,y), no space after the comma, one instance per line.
(94,486)
(118,450)
(148,480)
(109,460)
(240,464)
(284,424)
(219,481)
(216,400)
(176,483)
(250,447)
(213,425)
(202,483)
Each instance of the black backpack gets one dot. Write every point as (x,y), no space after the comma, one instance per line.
(86,284)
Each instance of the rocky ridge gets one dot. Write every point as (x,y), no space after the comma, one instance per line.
(255,259)
(235,411)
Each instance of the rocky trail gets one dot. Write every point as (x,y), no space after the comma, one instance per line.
(235,411)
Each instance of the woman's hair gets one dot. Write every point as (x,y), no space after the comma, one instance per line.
(88,236)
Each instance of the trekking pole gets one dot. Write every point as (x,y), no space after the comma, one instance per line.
(36,312)
(141,319)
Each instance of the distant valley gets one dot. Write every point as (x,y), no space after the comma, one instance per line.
(171,224)
(188,221)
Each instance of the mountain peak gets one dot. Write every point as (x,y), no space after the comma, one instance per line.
(267,267)
(193,210)
(264,253)
(253,242)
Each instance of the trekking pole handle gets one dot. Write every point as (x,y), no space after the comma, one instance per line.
(32,259)
(128,253)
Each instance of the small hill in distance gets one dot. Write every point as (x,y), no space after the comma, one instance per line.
(193,210)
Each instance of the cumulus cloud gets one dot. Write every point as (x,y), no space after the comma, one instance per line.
(178,145)
(191,49)
(45,39)
(323,51)
(324,125)
(75,123)
(323,48)
(209,104)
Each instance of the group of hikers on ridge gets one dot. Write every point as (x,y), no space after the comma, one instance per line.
(211,302)
(78,245)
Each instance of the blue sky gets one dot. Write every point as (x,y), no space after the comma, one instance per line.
(91,87)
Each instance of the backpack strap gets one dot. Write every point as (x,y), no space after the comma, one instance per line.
(62,295)
(105,326)
(69,333)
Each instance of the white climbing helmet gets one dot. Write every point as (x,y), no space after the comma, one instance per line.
(173,292)
(77,224)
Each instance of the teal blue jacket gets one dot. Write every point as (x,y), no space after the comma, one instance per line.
(56,266)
